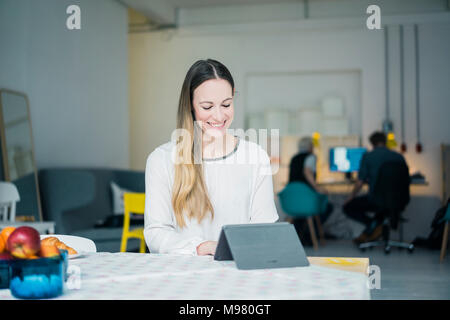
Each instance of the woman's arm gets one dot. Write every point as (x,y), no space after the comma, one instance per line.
(160,233)
(263,208)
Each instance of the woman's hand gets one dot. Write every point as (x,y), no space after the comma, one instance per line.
(207,247)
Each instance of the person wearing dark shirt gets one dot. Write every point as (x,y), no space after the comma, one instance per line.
(302,168)
(358,208)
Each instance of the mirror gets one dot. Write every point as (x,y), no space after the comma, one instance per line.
(18,153)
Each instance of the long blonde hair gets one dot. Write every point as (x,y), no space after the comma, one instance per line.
(189,193)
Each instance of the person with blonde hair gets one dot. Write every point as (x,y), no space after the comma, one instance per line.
(200,181)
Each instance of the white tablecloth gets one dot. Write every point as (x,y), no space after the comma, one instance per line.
(167,277)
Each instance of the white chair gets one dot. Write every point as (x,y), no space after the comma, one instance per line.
(8,198)
(80,244)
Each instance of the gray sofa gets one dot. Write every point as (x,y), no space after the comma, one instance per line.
(76,199)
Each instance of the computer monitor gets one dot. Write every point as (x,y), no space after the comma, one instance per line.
(346,159)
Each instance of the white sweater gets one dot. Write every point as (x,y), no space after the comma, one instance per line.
(239,186)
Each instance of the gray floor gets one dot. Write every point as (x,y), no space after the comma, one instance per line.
(404,275)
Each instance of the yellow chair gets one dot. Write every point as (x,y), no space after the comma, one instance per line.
(133,203)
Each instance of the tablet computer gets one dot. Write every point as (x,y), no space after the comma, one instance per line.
(261,246)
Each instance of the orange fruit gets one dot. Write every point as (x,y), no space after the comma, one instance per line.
(2,245)
(49,250)
(6,232)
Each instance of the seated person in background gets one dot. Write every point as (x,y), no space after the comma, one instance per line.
(303,169)
(357,208)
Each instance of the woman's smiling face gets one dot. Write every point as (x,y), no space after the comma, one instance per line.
(213,106)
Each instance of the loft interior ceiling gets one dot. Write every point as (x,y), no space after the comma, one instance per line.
(163,12)
(198,3)
(157,14)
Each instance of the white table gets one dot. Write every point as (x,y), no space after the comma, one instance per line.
(47,227)
(174,277)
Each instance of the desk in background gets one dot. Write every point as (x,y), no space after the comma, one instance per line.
(345,187)
(338,224)
(352,182)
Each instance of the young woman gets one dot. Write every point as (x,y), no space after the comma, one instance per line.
(207,177)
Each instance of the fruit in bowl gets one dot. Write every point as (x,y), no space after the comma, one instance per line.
(59,244)
(6,231)
(24,242)
(2,245)
(49,251)
(31,269)
(4,235)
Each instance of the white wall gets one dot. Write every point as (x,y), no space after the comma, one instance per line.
(159,61)
(158,66)
(77,81)
(303,94)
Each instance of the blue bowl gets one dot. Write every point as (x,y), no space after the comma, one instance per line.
(65,257)
(38,278)
(4,274)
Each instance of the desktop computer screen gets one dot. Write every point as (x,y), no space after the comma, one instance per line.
(346,159)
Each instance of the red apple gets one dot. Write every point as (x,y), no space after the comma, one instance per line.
(49,251)
(24,242)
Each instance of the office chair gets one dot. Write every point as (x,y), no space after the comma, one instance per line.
(298,200)
(445,219)
(391,195)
